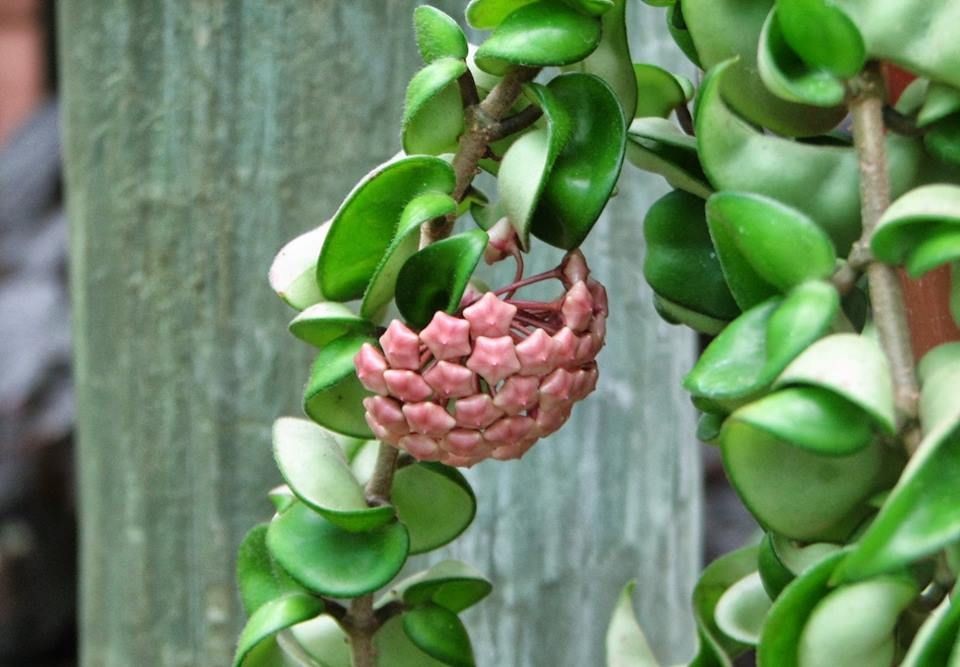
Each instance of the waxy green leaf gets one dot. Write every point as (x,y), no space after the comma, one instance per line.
(659,146)
(681,264)
(741,610)
(942,140)
(676,314)
(737,157)
(293,273)
(851,366)
(587,167)
(488,14)
(781,560)
(920,229)
(823,35)
(940,101)
(937,637)
(329,560)
(435,278)
(258,577)
(438,35)
(323,323)
(758,240)
(658,91)
(717,648)
(391,640)
(451,584)
(526,165)
(275,615)
(788,77)
(611,60)
(366,222)
(541,34)
(439,633)
(625,642)
(334,396)
(315,468)
(433,113)
(677,27)
(424,208)
(435,502)
(725,29)
(323,640)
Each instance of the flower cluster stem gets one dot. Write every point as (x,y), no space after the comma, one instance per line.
(886,294)
(482,126)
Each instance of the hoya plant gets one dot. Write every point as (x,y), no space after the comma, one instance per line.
(807,193)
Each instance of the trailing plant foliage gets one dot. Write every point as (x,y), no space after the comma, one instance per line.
(779,239)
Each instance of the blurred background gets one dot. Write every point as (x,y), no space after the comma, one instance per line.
(37,509)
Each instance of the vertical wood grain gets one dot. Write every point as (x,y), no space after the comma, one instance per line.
(200,136)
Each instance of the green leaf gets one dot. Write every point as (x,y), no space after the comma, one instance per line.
(526,165)
(334,396)
(435,503)
(625,643)
(681,264)
(435,278)
(270,618)
(367,220)
(396,649)
(796,492)
(737,157)
(851,366)
(823,35)
(659,146)
(781,632)
(293,273)
(323,640)
(322,323)
(725,29)
(424,208)
(451,584)
(677,314)
(941,101)
(788,77)
(659,92)
(716,648)
(587,167)
(438,35)
(611,60)
(939,373)
(318,473)
(592,7)
(920,229)
(439,633)
(811,418)
(742,608)
(936,638)
(943,140)
(677,27)
(488,14)
(758,240)
(746,357)
(258,578)
(541,34)
(781,560)
(281,496)
(329,560)
(433,112)
(774,575)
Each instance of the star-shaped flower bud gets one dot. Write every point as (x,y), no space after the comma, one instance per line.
(428,418)
(556,388)
(451,380)
(370,367)
(598,327)
(574,267)
(518,393)
(599,294)
(490,316)
(565,347)
(447,336)
(477,411)
(512,451)
(463,442)
(380,432)
(550,419)
(401,346)
(535,353)
(509,430)
(493,359)
(461,461)
(588,346)
(577,308)
(407,385)
(420,447)
(387,413)
(579,385)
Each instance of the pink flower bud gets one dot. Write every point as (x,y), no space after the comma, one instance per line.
(556,388)
(565,347)
(447,337)
(387,412)
(535,354)
(428,418)
(401,346)
(518,393)
(463,442)
(370,367)
(577,307)
(599,294)
(407,385)
(493,359)
(509,429)
(476,411)
(451,380)
(420,447)
(490,316)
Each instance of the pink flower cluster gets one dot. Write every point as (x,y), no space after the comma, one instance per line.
(492,380)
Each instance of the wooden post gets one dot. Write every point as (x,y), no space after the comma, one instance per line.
(199,138)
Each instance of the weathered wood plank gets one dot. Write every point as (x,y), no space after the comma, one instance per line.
(199,137)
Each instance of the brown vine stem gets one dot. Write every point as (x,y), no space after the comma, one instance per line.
(482,125)
(866,106)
